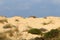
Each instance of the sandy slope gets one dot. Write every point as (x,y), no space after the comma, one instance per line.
(51,22)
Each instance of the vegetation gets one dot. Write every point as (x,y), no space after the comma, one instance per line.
(35,31)
(2,21)
(33,16)
(38,38)
(13,29)
(5,20)
(47,23)
(53,33)
(17,20)
(8,26)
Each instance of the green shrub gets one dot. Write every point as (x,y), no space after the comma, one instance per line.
(51,34)
(54,34)
(34,31)
(37,38)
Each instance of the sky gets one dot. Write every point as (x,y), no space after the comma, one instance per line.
(25,8)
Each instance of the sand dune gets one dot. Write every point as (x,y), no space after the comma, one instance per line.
(23,24)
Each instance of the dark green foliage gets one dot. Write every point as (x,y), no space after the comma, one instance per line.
(39,38)
(34,31)
(53,33)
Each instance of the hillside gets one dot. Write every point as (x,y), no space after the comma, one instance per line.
(19,26)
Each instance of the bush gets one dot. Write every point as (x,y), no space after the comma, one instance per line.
(37,38)
(2,21)
(17,20)
(52,34)
(34,31)
(8,26)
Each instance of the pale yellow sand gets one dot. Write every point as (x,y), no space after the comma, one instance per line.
(23,23)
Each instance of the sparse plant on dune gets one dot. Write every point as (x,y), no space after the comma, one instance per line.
(52,35)
(7,26)
(11,30)
(47,23)
(4,20)
(38,38)
(35,31)
(17,20)
(33,16)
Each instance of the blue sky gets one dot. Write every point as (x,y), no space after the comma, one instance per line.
(25,8)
